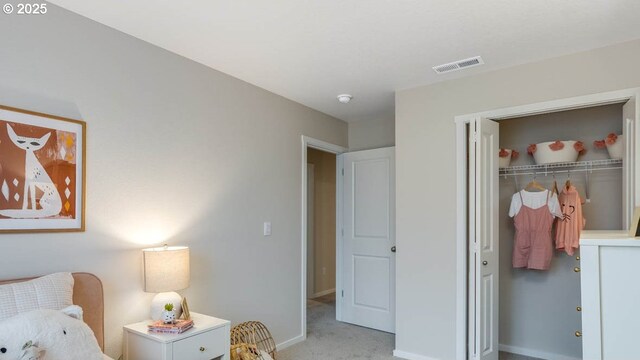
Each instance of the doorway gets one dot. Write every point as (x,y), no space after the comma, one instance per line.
(321,223)
(477,220)
(311,149)
(364,236)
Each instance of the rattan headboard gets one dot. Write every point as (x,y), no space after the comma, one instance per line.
(87,292)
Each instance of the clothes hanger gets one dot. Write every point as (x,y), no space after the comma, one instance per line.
(568,183)
(534,186)
(554,189)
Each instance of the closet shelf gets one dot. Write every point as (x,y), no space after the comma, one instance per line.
(578,166)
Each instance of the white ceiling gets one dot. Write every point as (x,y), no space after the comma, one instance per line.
(312,50)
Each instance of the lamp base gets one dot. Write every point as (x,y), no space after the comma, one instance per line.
(161,299)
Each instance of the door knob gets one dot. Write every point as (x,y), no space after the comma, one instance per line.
(485,263)
(393,249)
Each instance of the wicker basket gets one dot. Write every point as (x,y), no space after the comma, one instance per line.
(254,333)
(243,352)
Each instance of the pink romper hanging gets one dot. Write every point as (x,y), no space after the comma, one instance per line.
(533,247)
(569,227)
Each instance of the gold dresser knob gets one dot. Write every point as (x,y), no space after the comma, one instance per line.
(578,258)
(578,308)
(578,334)
(202,349)
(576,269)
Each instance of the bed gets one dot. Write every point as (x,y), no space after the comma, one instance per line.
(87,293)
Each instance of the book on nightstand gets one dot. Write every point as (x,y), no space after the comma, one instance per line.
(178,327)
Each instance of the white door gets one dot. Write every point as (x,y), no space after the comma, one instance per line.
(630,197)
(368,250)
(483,234)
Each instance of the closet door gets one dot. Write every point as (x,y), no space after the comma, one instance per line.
(630,197)
(483,218)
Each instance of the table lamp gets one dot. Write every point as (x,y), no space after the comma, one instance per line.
(166,270)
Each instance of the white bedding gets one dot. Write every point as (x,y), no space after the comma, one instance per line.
(106,357)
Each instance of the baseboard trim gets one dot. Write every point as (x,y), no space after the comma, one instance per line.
(290,342)
(410,356)
(323,293)
(534,353)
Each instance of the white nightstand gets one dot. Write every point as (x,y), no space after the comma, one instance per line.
(207,340)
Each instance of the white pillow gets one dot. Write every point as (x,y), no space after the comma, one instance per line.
(53,292)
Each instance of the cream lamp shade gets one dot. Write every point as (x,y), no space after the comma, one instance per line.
(166,270)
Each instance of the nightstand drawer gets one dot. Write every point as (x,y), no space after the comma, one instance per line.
(205,346)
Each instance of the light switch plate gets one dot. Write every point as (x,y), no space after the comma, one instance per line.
(267,228)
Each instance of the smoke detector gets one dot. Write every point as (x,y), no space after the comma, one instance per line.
(458,65)
(344,98)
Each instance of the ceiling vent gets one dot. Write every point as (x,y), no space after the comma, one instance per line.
(458,65)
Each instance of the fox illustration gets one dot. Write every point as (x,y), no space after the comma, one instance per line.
(35,177)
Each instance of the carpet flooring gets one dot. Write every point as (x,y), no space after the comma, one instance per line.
(328,339)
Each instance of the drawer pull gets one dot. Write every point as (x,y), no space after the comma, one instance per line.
(578,334)
(202,349)
(576,269)
(578,258)
(578,308)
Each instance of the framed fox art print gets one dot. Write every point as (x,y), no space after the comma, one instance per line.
(42,172)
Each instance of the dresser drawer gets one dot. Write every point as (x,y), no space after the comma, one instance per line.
(204,346)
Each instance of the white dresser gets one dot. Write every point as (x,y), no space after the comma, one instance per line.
(610,282)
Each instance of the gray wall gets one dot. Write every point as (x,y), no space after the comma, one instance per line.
(176,152)
(426,173)
(537,308)
(372,134)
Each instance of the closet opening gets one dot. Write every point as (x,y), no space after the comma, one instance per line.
(515,307)
(537,313)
